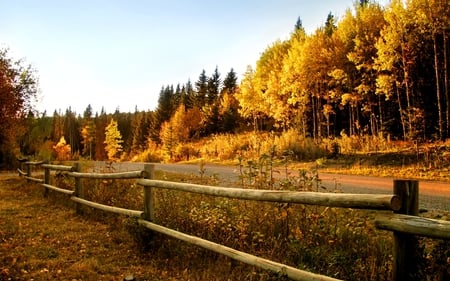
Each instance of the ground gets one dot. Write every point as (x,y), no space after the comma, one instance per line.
(41,239)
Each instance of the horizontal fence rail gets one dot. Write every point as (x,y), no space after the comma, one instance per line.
(34,163)
(107,208)
(57,189)
(280,269)
(104,176)
(21,173)
(415,225)
(404,222)
(27,174)
(356,201)
(58,167)
(34,179)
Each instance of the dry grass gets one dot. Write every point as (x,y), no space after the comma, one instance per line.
(43,240)
(362,155)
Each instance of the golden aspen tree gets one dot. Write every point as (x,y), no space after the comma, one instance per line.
(113,140)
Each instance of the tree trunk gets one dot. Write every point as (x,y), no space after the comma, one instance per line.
(358,119)
(400,109)
(407,89)
(446,82)
(350,112)
(328,124)
(380,112)
(438,88)
(314,117)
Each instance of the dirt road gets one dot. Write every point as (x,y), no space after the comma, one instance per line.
(433,195)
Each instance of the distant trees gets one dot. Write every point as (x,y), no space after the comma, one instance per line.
(228,108)
(142,121)
(88,132)
(101,121)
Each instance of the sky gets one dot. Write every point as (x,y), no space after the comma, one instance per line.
(117,54)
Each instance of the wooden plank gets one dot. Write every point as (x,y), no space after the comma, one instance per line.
(149,204)
(34,179)
(414,225)
(281,269)
(58,167)
(34,162)
(46,180)
(28,171)
(106,208)
(21,173)
(357,201)
(79,190)
(58,189)
(122,175)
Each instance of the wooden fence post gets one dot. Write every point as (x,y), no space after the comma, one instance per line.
(28,165)
(149,214)
(46,179)
(406,257)
(78,190)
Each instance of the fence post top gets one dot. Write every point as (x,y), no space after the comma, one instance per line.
(149,170)
(76,167)
(406,180)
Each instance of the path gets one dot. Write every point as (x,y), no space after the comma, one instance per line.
(433,194)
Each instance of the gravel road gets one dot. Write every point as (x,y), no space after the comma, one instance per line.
(433,195)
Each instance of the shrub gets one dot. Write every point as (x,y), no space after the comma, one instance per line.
(62,150)
(46,151)
(252,145)
(148,156)
(301,147)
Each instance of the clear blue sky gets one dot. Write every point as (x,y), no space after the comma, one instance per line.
(115,53)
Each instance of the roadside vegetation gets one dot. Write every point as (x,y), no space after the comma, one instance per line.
(360,155)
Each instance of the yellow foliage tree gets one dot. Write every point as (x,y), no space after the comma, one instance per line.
(62,149)
(113,140)
(179,129)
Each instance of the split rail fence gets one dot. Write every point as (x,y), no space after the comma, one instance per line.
(404,221)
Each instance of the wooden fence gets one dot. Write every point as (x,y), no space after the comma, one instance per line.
(404,221)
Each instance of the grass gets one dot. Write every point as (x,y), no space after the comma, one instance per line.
(385,164)
(43,240)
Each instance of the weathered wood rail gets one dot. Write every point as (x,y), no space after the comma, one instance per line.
(404,222)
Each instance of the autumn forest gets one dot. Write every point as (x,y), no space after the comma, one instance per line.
(376,71)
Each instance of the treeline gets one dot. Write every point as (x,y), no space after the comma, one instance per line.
(184,113)
(380,71)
